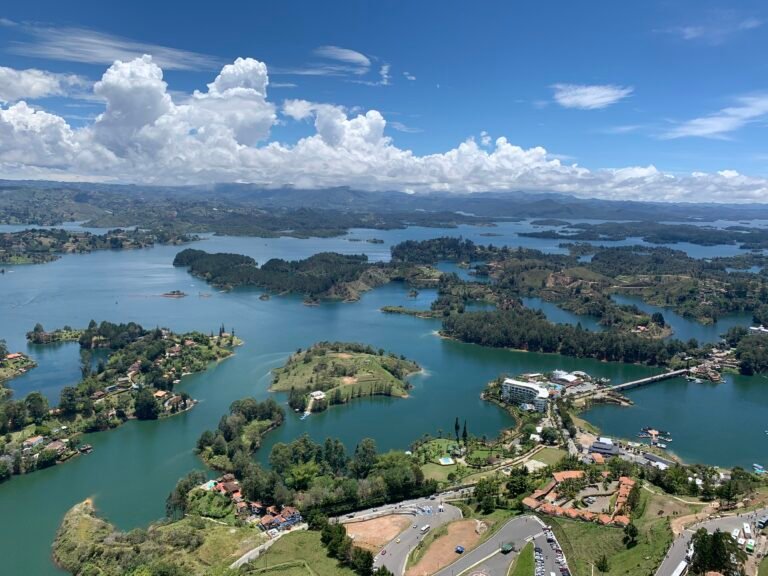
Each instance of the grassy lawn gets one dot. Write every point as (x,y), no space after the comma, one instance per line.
(550,456)
(523,564)
(585,542)
(763,567)
(303,546)
(437,472)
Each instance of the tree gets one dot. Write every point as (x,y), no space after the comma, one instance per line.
(68,400)
(549,436)
(715,552)
(457,428)
(5,470)
(602,564)
(37,406)
(630,534)
(464,434)
(146,405)
(364,459)
(176,503)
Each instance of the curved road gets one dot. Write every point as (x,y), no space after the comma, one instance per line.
(488,557)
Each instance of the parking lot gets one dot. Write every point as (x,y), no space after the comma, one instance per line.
(549,558)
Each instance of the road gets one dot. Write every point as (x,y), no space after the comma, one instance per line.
(677,551)
(487,557)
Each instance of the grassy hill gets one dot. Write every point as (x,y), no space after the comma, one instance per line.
(343,371)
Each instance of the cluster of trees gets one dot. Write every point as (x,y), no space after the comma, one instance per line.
(716,552)
(529,330)
(434,250)
(38,245)
(313,276)
(340,546)
(110,335)
(239,433)
(323,477)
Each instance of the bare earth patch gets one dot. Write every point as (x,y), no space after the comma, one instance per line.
(343,355)
(374,534)
(443,550)
(347,380)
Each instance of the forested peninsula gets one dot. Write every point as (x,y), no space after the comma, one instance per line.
(135,376)
(38,246)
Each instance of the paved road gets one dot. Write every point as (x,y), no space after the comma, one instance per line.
(679,548)
(487,556)
(426,512)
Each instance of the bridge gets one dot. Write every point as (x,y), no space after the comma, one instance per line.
(649,380)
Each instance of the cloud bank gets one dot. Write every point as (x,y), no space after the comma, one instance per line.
(222,134)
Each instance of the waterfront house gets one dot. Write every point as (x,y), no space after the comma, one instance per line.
(32,442)
(98,395)
(57,446)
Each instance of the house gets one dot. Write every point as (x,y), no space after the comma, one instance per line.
(160,394)
(98,395)
(14,356)
(597,458)
(620,520)
(57,446)
(531,502)
(567,475)
(268,522)
(604,448)
(33,442)
(572,513)
(242,508)
(317,395)
(256,507)
(604,519)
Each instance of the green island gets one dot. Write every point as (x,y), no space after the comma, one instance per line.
(331,373)
(135,380)
(326,275)
(38,246)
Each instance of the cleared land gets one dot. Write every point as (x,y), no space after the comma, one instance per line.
(374,534)
(295,548)
(442,550)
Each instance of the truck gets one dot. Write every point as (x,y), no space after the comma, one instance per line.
(425,529)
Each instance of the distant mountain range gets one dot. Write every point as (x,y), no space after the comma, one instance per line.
(496,205)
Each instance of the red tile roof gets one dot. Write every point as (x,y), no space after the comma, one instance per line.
(567,475)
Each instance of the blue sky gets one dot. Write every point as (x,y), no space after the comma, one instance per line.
(679,86)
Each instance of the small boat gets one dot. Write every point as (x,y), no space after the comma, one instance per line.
(660,445)
(85,449)
(757,467)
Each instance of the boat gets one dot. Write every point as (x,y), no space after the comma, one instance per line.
(85,449)
(174,294)
(305,415)
(758,467)
(660,445)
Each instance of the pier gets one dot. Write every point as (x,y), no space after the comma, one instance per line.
(649,380)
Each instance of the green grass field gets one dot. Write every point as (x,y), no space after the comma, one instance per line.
(550,456)
(523,564)
(302,546)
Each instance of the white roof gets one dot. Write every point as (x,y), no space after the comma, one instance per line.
(605,440)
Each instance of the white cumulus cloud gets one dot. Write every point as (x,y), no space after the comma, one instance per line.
(149,134)
(33,84)
(589,97)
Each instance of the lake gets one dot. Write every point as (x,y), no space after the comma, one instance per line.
(133,468)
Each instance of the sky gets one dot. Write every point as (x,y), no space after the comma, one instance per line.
(655,100)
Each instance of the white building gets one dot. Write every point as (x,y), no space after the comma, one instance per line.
(317,395)
(517,392)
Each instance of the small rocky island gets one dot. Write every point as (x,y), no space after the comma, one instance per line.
(331,373)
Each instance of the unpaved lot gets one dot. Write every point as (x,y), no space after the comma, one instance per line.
(374,534)
(443,550)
